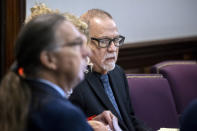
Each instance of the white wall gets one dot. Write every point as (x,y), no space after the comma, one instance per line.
(139,20)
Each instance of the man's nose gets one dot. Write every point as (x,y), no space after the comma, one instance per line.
(112,47)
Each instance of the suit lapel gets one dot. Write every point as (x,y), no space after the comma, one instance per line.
(97,87)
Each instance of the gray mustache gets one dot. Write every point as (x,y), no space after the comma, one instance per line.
(110,55)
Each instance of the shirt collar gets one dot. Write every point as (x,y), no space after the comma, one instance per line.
(56,87)
(101,75)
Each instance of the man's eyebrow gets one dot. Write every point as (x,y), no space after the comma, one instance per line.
(77,41)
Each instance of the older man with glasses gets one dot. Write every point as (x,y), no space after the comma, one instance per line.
(105,86)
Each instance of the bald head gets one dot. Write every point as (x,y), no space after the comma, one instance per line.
(90,14)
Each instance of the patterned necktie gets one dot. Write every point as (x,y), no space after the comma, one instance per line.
(108,91)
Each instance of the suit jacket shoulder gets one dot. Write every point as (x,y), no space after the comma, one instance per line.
(49,111)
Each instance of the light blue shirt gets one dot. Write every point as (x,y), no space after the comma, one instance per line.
(54,86)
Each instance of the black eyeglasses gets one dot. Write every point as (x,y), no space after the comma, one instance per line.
(105,42)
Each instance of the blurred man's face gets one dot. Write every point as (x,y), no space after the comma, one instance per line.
(104,59)
(70,56)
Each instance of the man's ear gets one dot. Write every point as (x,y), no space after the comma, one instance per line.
(48,60)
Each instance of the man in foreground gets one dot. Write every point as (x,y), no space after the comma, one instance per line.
(51,53)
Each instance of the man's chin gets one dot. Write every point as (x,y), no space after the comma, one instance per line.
(109,67)
(77,81)
(80,76)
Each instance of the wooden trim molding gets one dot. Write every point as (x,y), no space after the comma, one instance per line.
(2,36)
(12,17)
(139,57)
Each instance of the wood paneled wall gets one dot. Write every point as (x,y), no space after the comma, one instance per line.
(139,57)
(12,17)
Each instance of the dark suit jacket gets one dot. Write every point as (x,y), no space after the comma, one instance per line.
(49,111)
(189,118)
(92,99)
